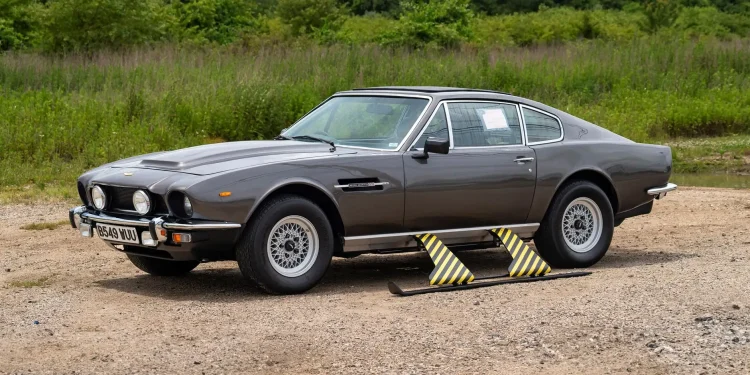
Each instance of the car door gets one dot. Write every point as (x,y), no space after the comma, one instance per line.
(486,179)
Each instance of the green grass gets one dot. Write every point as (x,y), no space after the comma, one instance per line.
(62,115)
(728,154)
(46,225)
(40,282)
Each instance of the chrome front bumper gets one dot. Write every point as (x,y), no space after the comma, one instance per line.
(661,191)
(157,228)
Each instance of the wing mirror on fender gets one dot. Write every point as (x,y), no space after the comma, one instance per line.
(434,145)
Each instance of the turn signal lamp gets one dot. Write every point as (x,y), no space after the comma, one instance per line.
(181,237)
(225,194)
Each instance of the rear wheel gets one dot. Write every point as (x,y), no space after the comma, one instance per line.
(162,267)
(287,246)
(578,227)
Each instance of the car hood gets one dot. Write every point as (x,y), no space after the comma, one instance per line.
(221,157)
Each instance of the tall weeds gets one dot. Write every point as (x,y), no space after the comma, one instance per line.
(62,115)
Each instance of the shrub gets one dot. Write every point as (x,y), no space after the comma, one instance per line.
(19,23)
(444,23)
(308,16)
(659,14)
(709,21)
(87,25)
(367,29)
(221,21)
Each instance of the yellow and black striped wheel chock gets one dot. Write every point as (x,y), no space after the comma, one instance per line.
(451,274)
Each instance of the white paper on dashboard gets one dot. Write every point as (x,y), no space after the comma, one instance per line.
(494,119)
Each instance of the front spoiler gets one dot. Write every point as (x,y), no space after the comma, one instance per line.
(84,220)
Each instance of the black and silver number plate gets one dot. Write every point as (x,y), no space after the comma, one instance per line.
(117,233)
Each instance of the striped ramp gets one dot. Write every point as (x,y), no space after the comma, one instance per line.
(448,269)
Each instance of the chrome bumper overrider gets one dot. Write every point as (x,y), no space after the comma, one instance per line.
(84,221)
(662,190)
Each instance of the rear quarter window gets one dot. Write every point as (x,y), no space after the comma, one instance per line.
(541,127)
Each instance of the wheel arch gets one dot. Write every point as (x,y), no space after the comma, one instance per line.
(596,177)
(313,192)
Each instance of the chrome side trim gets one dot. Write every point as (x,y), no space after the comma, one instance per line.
(448,236)
(355,185)
(662,190)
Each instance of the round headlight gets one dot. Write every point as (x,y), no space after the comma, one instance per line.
(99,198)
(188,207)
(141,202)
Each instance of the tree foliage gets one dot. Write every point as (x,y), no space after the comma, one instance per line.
(443,23)
(220,21)
(61,26)
(308,16)
(19,23)
(85,25)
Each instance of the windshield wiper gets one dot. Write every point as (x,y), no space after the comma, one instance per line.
(333,146)
(281,137)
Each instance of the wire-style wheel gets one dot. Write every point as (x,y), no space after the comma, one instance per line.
(292,246)
(582,224)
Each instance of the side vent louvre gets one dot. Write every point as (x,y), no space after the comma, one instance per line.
(361,184)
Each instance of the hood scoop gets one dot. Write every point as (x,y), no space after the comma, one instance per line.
(187,159)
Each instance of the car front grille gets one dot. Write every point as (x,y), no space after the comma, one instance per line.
(121,199)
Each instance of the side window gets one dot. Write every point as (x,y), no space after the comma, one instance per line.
(437,128)
(484,124)
(540,127)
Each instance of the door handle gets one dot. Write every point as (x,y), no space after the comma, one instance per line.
(522,160)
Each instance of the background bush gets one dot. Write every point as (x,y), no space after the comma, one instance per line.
(219,21)
(444,23)
(86,25)
(61,26)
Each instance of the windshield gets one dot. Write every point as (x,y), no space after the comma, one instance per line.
(364,121)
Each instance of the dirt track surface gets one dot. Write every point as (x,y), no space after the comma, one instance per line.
(671,296)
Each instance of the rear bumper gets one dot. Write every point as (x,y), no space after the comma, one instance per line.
(661,191)
(201,239)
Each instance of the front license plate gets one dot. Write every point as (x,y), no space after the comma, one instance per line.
(117,233)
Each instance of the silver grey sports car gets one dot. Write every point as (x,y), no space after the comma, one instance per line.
(366,171)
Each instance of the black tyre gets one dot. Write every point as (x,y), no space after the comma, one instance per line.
(287,245)
(577,229)
(162,267)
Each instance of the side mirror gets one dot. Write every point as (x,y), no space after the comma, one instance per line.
(435,146)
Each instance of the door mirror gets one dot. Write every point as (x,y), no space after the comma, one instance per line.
(435,146)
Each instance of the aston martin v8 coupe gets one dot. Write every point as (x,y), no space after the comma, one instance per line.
(366,171)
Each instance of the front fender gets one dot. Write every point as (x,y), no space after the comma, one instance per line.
(287,182)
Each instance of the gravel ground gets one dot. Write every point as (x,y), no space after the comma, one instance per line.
(671,296)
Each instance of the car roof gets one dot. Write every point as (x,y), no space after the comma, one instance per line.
(427,89)
(438,93)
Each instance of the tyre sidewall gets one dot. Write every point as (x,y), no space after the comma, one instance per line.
(570,193)
(263,272)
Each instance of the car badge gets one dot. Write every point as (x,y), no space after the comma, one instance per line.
(128,174)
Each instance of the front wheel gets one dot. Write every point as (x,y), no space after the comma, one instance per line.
(287,246)
(578,227)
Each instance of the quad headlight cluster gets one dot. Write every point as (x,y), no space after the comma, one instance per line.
(141,201)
